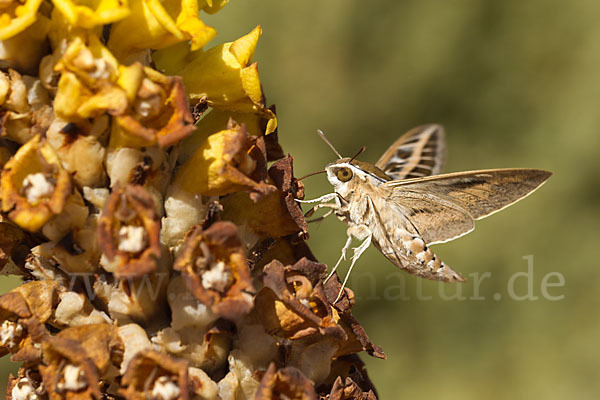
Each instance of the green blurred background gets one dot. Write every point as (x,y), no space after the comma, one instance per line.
(516,84)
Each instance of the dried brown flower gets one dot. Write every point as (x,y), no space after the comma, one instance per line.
(159,112)
(213,262)
(128,232)
(285,383)
(77,358)
(292,303)
(152,374)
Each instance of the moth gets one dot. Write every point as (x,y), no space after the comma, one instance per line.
(402,204)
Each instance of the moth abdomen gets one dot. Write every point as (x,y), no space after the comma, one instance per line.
(420,260)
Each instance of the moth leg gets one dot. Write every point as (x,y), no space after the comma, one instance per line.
(311,212)
(322,199)
(342,257)
(322,217)
(357,252)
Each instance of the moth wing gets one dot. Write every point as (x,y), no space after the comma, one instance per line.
(419,152)
(443,207)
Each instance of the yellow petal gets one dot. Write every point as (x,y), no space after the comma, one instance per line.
(88,84)
(154,24)
(189,23)
(220,166)
(227,83)
(243,48)
(216,120)
(16,18)
(88,14)
(212,6)
(24,50)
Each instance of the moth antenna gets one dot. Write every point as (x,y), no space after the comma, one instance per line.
(312,174)
(358,153)
(320,132)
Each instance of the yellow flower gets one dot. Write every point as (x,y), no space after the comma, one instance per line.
(22,45)
(216,120)
(224,75)
(157,24)
(221,165)
(88,84)
(16,17)
(34,185)
(88,14)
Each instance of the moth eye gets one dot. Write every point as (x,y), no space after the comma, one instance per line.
(344,174)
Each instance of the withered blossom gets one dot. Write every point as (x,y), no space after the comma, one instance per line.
(26,108)
(128,232)
(348,379)
(208,351)
(26,385)
(19,310)
(358,339)
(349,390)
(135,299)
(18,16)
(151,374)
(72,217)
(78,358)
(292,304)
(158,112)
(285,216)
(77,251)
(79,146)
(34,185)
(13,248)
(285,383)
(213,263)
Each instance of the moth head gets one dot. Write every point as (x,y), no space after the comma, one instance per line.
(345,173)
